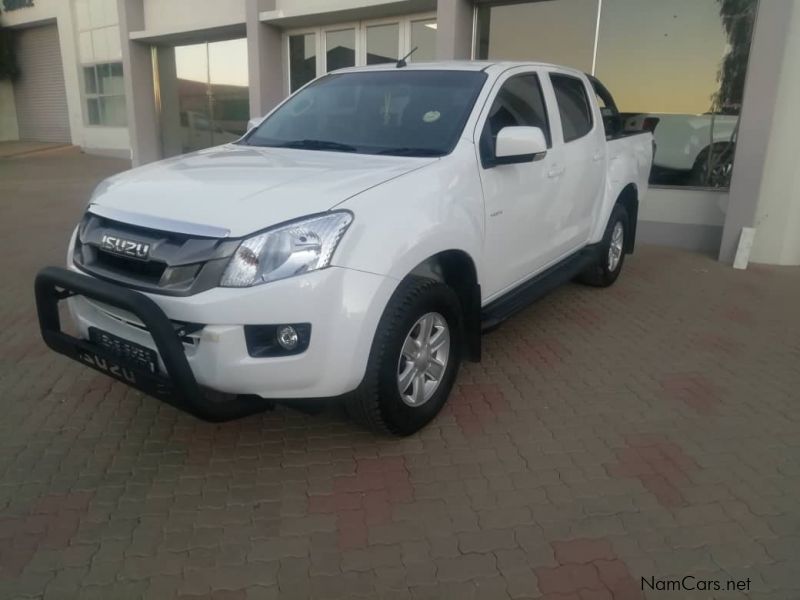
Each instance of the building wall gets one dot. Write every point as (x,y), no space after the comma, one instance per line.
(777,220)
(683,217)
(190,15)
(112,140)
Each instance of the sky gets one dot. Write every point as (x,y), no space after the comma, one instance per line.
(653,55)
(228,62)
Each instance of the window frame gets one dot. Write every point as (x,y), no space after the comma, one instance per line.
(553,75)
(97,95)
(403,47)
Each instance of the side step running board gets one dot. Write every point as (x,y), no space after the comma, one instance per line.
(501,309)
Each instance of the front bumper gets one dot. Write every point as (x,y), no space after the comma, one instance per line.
(342,305)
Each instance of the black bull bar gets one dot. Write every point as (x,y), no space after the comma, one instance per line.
(178,387)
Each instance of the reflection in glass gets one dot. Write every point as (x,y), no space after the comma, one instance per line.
(104,90)
(203,94)
(89,80)
(109,79)
(382,43)
(676,68)
(684,82)
(93,108)
(302,59)
(423,38)
(560,32)
(113,111)
(340,49)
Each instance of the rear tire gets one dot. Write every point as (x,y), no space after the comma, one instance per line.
(611,251)
(404,356)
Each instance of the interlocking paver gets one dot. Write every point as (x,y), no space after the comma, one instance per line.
(647,430)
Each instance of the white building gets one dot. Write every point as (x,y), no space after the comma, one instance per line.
(153,78)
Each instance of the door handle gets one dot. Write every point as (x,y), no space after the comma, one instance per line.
(597,156)
(555,172)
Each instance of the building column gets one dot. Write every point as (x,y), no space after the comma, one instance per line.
(137,67)
(264,59)
(756,123)
(777,218)
(454,20)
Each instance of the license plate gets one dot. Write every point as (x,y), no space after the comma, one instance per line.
(129,353)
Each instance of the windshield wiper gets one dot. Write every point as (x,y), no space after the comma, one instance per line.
(407,151)
(317,145)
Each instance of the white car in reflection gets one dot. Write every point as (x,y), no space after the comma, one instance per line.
(684,142)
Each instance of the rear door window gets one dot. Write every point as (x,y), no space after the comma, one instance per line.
(573,106)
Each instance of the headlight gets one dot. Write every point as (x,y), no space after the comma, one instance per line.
(287,250)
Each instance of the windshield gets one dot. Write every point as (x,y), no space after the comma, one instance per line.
(404,113)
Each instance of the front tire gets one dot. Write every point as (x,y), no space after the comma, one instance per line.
(611,253)
(414,359)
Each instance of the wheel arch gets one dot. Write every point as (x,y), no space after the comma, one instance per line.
(457,269)
(629,198)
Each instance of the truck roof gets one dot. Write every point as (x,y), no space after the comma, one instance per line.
(458,65)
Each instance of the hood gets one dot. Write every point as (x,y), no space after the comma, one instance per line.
(244,189)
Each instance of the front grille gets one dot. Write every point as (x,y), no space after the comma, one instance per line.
(149,271)
(178,265)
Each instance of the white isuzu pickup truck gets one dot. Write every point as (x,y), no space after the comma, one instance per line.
(354,243)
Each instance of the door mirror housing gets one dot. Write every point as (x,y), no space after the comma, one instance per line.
(519,144)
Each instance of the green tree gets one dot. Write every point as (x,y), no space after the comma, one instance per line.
(738,18)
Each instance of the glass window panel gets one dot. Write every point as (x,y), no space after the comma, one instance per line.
(684,81)
(100,45)
(204,96)
(82,14)
(85,49)
(302,59)
(93,110)
(228,89)
(519,102)
(109,79)
(191,62)
(423,38)
(340,49)
(560,32)
(89,80)
(113,43)
(409,112)
(101,13)
(382,43)
(113,112)
(573,106)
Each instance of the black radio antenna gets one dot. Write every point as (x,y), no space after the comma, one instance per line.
(402,62)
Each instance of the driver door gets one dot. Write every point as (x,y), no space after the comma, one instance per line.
(518,198)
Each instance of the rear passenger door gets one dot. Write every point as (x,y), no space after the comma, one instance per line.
(517,197)
(579,152)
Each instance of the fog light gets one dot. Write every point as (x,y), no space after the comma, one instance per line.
(287,337)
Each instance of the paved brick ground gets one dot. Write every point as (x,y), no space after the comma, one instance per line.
(648,430)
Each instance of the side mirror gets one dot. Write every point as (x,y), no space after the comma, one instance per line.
(254,122)
(519,144)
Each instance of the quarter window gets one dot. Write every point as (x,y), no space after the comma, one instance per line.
(573,106)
